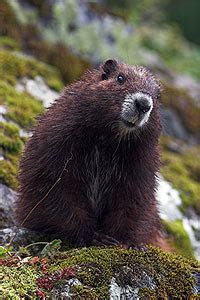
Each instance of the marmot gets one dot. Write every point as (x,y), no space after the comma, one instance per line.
(88,173)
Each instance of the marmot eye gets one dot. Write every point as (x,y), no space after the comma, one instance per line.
(121,79)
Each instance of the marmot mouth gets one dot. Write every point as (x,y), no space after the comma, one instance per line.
(128,124)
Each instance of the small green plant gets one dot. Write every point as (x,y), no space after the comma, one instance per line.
(93,268)
(178,238)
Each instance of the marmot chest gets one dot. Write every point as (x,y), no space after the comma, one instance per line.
(100,169)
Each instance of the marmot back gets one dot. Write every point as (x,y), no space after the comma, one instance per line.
(88,173)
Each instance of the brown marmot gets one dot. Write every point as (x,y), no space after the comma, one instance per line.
(88,173)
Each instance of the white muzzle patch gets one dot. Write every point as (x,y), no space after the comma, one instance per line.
(136,110)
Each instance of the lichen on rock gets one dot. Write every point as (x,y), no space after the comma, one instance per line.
(150,273)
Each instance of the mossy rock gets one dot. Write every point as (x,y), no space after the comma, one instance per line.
(8,43)
(178,238)
(14,65)
(21,110)
(183,171)
(179,100)
(70,65)
(11,145)
(94,270)
(27,37)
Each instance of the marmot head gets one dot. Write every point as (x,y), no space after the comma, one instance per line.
(126,95)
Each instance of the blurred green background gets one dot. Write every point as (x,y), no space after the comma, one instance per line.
(45,45)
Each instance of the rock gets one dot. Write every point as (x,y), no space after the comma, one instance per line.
(127,292)
(169,203)
(192,226)
(8,228)
(6,235)
(153,60)
(130,290)
(7,203)
(37,88)
(23,237)
(168,200)
(174,146)
(101,273)
(173,126)
(24,133)
(1,155)
(189,84)
(63,290)
(3,111)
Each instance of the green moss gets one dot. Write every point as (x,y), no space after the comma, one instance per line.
(8,173)
(18,282)
(95,267)
(167,41)
(178,238)
(179,100)
(13,66)
(28,38)
(71,66)
(10,145)
(183,171)
(22,108)
(110,261)
(8,43)
(9,138)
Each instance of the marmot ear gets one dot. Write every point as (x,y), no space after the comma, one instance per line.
(109,66)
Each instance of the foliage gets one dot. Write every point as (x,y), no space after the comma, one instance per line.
(43,8)
(93,268)
(9,25)
(168,42)
(127,44)
(98,39)
(69,46)
(61,57)
(8,43)
(183,171)
(149,11)
(186,14)
(27,37)
(21,110)
(11,145)
(24,16)
(14,66)
(18,282)
(178,238)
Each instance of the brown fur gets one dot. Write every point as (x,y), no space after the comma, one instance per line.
(82,129)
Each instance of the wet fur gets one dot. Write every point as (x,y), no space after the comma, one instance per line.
(110,178)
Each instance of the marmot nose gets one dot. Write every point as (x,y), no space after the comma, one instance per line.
(142,105)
